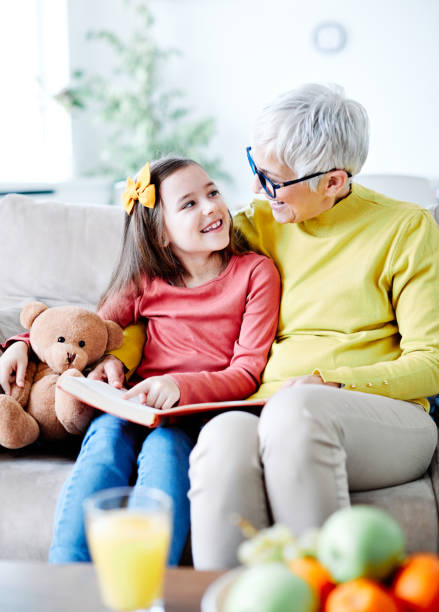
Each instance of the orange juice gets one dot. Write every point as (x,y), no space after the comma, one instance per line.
(129,549)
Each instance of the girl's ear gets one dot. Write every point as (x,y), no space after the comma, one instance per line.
(165,238)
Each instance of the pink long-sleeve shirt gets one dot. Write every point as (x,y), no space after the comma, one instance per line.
(213,339)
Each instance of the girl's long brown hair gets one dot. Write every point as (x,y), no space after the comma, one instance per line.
(143,252)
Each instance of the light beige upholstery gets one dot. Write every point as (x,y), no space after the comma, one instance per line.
(56,253)
(61,254)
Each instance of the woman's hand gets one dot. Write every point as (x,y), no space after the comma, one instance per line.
(109,370)
(160,392)
(13,364)
(309,379)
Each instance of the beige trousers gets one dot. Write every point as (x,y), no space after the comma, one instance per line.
(297,463)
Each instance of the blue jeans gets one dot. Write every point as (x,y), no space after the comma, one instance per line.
(118,453)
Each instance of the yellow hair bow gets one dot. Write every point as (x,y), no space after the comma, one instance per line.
(140,190)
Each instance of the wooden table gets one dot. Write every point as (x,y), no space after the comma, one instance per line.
(40,587)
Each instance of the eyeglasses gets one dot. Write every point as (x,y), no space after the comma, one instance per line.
(267,184)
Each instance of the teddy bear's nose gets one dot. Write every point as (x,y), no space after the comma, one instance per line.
(71,357)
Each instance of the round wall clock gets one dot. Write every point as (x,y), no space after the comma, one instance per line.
(329,37)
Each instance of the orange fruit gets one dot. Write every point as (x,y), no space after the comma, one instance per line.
(315,574)
(360,595)
(416,584)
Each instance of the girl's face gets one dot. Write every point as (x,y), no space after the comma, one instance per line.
(196,218)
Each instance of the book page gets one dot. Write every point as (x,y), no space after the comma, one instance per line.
(103,396)
(107,391)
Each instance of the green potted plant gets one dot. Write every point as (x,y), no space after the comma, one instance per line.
(142,119)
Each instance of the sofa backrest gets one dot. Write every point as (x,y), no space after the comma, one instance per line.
(58,254)
(55,253)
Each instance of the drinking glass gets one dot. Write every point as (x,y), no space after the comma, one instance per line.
(128,532)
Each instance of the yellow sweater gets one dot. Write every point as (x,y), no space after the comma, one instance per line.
(360,295)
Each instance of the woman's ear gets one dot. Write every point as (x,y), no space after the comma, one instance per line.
(336,182)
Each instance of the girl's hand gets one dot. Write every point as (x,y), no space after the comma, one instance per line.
(160,392)
(13,364)
(109,370)
(309,379)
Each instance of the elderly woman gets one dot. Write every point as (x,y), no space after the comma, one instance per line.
(357,348)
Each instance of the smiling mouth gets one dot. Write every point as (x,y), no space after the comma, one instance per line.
(213,226)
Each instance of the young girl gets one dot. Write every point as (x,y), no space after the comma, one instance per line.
(211,310)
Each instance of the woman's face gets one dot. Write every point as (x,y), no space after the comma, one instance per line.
(293,203)
(196,218)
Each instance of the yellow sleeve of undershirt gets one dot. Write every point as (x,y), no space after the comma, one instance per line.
(131,350)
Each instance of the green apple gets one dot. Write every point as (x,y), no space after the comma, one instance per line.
(361,541)
(269,587)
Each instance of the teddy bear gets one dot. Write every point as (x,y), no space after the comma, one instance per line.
(65,340)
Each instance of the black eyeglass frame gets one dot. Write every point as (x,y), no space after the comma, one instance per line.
(264,179)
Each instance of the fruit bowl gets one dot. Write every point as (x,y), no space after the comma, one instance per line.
(356,561)
(216,593)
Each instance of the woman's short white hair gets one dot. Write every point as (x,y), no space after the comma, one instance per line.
(313,129)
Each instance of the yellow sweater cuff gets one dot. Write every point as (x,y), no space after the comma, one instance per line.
(131,351)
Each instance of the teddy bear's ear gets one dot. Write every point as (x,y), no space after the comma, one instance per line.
(115,335)
(30,312)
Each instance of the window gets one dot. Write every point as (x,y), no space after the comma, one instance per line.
(35,130)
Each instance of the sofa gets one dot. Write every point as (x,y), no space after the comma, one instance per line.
(64,254)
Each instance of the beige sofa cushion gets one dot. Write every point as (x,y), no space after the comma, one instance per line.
(30,482)
(56,253)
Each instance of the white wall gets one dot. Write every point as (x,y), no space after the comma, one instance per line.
(238,54)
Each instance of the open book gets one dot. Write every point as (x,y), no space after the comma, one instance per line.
(104,397)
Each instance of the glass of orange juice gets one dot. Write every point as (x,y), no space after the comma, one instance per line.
(128,533)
